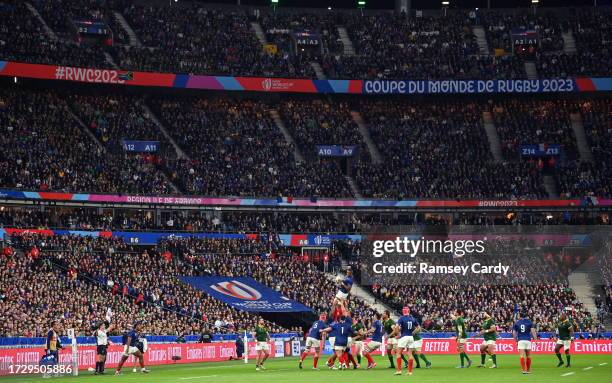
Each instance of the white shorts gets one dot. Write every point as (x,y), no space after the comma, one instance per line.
(131,351)
(358,344)
(405,342)
(524,345)
(312,342)
(340,348)
(417,344)
(332,341)
(391,343)
(341,295)
(566,343)
(350,342)
(262,346)
(461,340)
(488,342)
(373,345)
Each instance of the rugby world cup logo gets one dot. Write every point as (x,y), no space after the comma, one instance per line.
(237,289)
(267,84)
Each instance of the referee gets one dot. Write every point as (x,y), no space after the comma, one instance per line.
(102,343)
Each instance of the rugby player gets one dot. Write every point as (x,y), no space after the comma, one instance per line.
(262,337)
(489,333)
(415,349)
(376,333)
(342,329)
(405,327)
(565,333)
(523,332)
(313,340)
(130,347)
(461,338)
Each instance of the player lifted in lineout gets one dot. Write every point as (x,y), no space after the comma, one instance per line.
(262,337)
(524,332)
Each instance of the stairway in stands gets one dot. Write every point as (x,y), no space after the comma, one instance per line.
(349,49)
(297,155)
(530,69)
(481,39)
(584,150)
(134,40)
(365,134)
(569,43)
(492,136)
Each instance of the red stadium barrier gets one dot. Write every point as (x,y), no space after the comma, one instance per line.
(159,354)
(156,354)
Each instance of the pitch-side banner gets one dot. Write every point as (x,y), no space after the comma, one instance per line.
(508,346)
(161,353)
(266,84)
(245,294)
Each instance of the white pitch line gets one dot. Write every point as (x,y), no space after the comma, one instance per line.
(587,368)
(568,374)
(199,377)
(602,364)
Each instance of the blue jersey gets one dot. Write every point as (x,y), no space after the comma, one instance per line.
(378,331)
(315,330)
(348,281)
(342,331)
(407,325)
(523,329)
(133,338)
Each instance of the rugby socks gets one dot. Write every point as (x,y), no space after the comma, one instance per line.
(351,359)
(559,357)
(424,358)
(494,356)
(359,358)
(391,360)
(404,359)
(399,363)
(528,363)
(410,365)
(523,364)
(316,360)
(369,358)
(483,358)
(416,359)
(461,357)
(98,367)
(568,357)
(304,354)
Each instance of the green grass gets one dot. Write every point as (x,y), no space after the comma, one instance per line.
(286,370)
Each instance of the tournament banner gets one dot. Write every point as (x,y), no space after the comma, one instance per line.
(243,293)
(267,84)
(298,202)
(336,150)
(540,150)
(11,359)
(505,346)
(141,146)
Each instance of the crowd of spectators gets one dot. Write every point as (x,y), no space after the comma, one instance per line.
(23,39)
(438,150)
(544,303)
(132,282)
(235,148)
(533,122)
(192,38)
